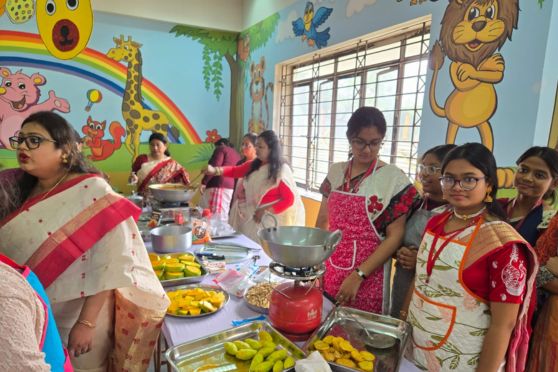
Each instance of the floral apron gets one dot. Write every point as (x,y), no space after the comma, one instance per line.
(449,323)
(360,239)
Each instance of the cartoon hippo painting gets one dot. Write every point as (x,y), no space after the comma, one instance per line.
(19,97)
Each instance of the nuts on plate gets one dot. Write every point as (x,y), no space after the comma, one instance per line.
(259,295)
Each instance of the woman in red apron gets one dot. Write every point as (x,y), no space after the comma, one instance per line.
(475,276)
(367,200)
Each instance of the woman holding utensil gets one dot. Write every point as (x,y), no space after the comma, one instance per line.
(432,202)
(217,190)
(157,166)
(368,200)
(473,292)
(269,188)
(81,240)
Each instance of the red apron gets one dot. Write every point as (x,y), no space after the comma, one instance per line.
(347,212)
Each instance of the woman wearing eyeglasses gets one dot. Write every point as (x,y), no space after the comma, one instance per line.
(432,199)
(81,240)
(367,200)
(474,276)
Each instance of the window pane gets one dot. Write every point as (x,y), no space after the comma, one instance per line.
(324,93)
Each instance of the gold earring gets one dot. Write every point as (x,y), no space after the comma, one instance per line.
(488,198)
(64,159)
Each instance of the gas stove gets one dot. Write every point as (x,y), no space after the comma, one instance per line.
(161,206)
(297,273)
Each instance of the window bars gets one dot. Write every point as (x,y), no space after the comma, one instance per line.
(319,95)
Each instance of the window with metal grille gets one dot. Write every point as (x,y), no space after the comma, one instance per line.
(319,95)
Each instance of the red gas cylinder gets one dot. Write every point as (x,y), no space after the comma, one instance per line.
(296,308)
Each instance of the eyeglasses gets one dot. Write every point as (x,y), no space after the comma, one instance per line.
(32,142)
(360,144)
(467,183)
(428,170)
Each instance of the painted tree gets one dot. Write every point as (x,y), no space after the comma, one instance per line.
(235,48)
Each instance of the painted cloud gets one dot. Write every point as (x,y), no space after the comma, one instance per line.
(355,6)
(285,27)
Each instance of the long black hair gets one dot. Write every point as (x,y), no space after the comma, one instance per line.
(481,158)
(275,159)
(550,158)
(65,136)
(160,137)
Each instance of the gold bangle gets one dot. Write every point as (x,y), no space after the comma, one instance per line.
(218,171)
(86,323)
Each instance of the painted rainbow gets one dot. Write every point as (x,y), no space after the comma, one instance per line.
(28,50)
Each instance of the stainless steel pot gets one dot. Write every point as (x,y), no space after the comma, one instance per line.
(298,246)
(171,239)
(171,192)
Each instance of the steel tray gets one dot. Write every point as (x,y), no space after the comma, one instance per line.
(186,279)
(209,350)
(347,323)
(233,253)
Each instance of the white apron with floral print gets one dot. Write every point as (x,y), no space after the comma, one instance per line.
(444,316)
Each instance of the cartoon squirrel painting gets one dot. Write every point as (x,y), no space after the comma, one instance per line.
(472,31)
(95,131)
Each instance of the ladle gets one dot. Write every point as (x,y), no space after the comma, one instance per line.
(372,340)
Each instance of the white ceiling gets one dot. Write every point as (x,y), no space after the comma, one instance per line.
(230,15)
(217,14)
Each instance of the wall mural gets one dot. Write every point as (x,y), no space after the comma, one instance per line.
(138,118)
(95,131)
(235,49)
(306,26)
(259,94)
(27,50)
(19,98)
(472,31)
(65,26)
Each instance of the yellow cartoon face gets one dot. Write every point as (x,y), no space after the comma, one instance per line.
(65,26)
(480,25)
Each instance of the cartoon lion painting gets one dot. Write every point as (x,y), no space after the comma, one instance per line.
(472,31)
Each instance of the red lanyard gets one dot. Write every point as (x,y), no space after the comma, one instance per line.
(510,210)
(347,185)
(434,254)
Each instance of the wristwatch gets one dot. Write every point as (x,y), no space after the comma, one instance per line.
(360,273)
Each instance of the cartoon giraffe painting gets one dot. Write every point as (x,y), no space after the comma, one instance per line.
(137,117)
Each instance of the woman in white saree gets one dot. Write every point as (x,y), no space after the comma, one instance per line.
(265,180)
(81,240)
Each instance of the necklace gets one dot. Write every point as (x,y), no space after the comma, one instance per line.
(50,190)
(466,217)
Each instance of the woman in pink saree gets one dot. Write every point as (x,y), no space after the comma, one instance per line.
(157,166)
(81,240)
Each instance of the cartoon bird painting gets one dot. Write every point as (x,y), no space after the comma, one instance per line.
(306,26)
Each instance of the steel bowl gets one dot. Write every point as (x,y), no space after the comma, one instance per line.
(171,192)
(171,239)
(298,246)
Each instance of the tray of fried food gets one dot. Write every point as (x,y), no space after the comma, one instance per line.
(356,340)
(255,346)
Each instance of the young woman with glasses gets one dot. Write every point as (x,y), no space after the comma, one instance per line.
(474,276)
(81,240)
(536,179)
(368,200)
(431,201)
